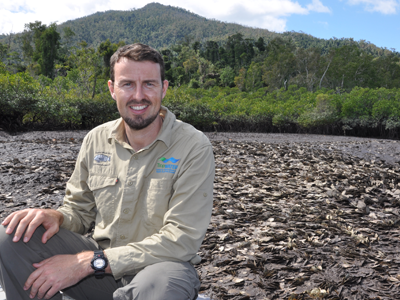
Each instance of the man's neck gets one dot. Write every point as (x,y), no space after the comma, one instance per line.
(139,139)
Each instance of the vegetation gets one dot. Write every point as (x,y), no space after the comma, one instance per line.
(240,83)
(163,26)
(62,103)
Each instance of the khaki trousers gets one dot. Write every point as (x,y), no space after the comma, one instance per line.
(166,280)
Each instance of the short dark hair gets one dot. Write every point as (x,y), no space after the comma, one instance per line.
(137,52)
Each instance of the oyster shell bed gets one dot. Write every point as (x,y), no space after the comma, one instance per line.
(295,216)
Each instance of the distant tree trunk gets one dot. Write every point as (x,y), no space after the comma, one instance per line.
(342,80)
(320,82)
(94,86)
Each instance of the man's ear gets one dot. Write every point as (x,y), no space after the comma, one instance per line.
(111,88)
(164,88)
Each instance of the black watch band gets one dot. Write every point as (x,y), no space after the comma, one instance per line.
(99,264)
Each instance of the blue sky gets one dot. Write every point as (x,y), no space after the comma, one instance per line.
(376,21)
(378,25)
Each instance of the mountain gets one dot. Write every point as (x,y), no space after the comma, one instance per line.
(162,26)
(157,25)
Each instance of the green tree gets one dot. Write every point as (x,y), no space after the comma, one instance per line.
(260,44)
(106,50)
(227,77)
(240,79)
(253,80)
(211,52)
(40,44)
(66,45)
(14,62)
(387,70)
(279,66)
(3,51)
(239,51)
(349,68)
(86,71)
(191,66)
(196,46)
(307,69)
(46,50)
(68,36)
(30,38)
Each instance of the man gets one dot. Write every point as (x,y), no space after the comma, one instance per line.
(144,180)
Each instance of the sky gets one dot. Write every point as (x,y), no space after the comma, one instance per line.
(375,21)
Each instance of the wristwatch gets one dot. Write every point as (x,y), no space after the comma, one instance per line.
(99,263)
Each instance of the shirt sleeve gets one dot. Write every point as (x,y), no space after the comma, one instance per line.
(184,225)
(78,207)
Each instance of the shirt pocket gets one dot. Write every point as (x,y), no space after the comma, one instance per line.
(104,191)
(158,194)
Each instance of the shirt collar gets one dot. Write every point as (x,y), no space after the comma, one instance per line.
(118,130)
(167,128)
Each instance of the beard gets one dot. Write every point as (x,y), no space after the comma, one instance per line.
(139,122)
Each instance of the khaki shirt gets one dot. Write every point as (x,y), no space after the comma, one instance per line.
(148,206)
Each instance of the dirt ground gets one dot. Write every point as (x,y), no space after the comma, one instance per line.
(295,216)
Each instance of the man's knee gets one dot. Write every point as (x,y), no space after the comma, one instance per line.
(6,243)
(8,248)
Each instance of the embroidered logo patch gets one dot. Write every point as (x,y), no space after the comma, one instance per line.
(167,160)
(167,168)
(102,158)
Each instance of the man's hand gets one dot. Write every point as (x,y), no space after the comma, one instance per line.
(30,219)
(57,273)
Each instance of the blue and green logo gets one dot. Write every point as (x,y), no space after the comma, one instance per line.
(167,160)
(164,167)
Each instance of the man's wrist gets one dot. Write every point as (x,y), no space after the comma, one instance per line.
(84,259)
(88,256)
(60,216)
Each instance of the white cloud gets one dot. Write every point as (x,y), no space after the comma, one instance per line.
(262,14)
(317,6)
(15,14)
(269,14)
(383,6)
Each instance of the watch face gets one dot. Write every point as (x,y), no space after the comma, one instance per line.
(99,263)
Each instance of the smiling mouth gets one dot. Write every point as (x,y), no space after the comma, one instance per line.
(138,107)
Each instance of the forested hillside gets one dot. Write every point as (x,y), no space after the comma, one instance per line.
(156,25)
(163,26)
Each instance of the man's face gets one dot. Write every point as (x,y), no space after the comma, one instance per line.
(138,91)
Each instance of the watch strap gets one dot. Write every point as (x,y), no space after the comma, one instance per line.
(99,274)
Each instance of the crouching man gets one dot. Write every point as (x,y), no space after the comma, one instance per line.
(145,181)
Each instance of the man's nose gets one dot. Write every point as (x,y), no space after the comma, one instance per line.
(138,93)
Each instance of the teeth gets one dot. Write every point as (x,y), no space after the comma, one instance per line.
(138,107)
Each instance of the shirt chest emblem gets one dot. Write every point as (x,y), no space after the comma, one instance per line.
(167,165)
(99,158)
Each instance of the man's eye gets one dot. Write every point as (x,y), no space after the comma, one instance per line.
(149,84)
(127,84)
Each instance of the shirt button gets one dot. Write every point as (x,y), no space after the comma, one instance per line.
(122,237)
(135,158)
(126,210)
(130,183)
(205,194)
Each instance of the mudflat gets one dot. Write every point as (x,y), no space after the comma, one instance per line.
(295,216)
